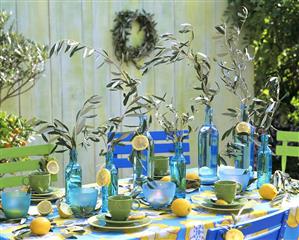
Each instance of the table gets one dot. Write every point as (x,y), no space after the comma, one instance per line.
(166,226)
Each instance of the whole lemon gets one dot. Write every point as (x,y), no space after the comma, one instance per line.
(268,191)
(40,226)
(181,207)
(234,234)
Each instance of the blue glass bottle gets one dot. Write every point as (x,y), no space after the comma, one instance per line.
(143,161)
(112,188)
(246,159)
(177,167)
(73,174)
(208,141)
(264,162)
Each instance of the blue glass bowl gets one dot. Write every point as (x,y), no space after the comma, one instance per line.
(83,201)
(234,174)
(161,195)
(15,204)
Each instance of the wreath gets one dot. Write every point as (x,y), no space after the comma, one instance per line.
(124,23)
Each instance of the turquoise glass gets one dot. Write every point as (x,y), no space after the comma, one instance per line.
(177,167)
(15,204)
(83,201)
(246,159)
(264,162)
(112,188)
(73,174)
(143,161)
(161,195)
(208,141)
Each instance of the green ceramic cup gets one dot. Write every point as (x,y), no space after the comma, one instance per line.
(161,165)
(226,190)
(40,182)
(120,206)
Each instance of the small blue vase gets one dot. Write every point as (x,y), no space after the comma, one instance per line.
(208,141)
(112,188)
(264,162)
(73,174)
(177,167)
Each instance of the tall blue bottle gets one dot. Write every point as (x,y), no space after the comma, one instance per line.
(143,164)
(208,141)
(73,174)
(112,188)
(177,167)
(264,162)
(246,159)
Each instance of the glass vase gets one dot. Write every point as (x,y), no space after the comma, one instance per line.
(178,170)
(246,159)
(112,188)
(73,174)
(208,141)
(264,162)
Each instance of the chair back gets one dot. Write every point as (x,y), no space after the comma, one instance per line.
(13,172)
(284,150)
(271,227)
(162,146)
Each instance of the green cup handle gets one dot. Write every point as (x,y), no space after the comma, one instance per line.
(239,187)
(25,181)
(135,201)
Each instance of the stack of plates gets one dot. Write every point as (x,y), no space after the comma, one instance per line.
(102,222)
(235,206)
(52,195)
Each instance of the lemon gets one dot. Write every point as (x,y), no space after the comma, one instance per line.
(165,179)
(192,176)
(64,210)
(140,142)
(268,191)
(52,167)
(181,207)
(40,226)
(136,216)
(221,202)
(103,177)
(234,234)
(243,128)
(44,207)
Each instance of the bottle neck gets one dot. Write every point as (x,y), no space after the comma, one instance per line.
(264,140)
(143,123)
(178,148)
(208,115)
(244,113)
(109,157)
(73,155)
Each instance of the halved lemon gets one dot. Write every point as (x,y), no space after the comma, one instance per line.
(243,128)
(64,210)
(52,167)
(140,142)
(44,207)
(234,234)
(103,177)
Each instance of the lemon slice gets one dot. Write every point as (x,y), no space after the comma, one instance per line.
(234,234)
(52,167)
(140,142)
(103,177)
(243,128)
(221,202)
(44,207)
(64,210)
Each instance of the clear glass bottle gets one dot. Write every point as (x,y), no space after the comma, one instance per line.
(143,164)
(112,188)
(177,167)
(208,141)
(246,159)
(73,174)
(264,162)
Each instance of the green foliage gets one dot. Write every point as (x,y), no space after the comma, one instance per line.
(15,131)
(22,61)
(272,30)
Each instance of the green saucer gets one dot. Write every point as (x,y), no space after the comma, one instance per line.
(125,222)
(237,203)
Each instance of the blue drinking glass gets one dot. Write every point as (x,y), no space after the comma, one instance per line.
(15,204)
(83,201)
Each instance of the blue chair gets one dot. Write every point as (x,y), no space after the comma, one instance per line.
(162,146)
(275,223)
